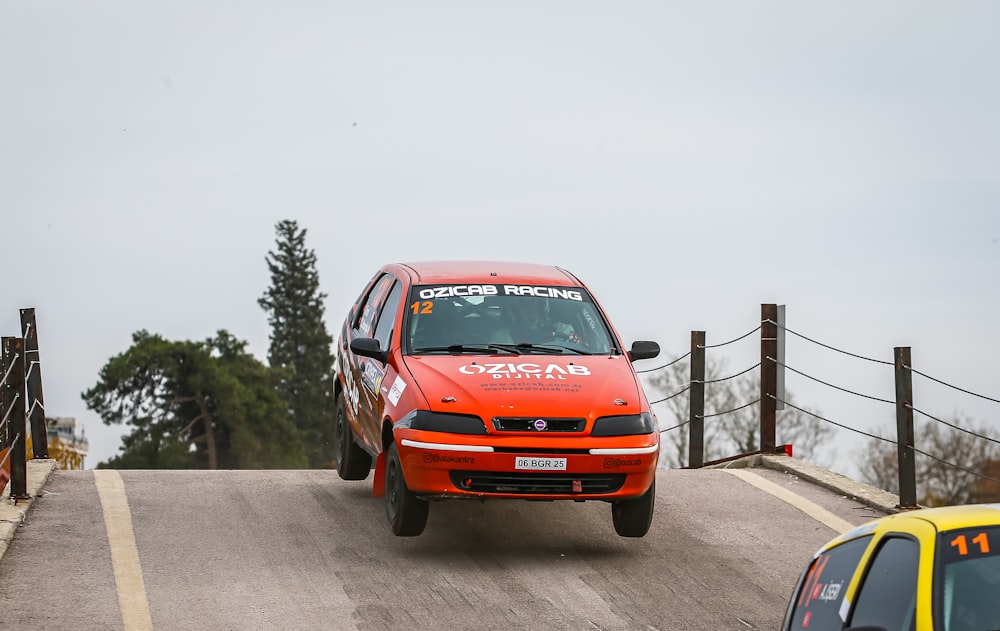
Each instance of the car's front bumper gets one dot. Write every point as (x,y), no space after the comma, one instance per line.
(440,465)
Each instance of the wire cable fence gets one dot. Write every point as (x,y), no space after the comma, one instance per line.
(733,341)
(667,365)
(894,443)
(12,420)
(687,386)
(826,383)
(772,330)
(953,426)
(6,441)
(694,385)
(832,348)
(840,425)
(745,405)
(8,411)
(737,375)
(672,396)
(905,411)
(8,450)
(943,383)
(21,424)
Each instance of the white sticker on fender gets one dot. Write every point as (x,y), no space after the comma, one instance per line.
(522,463)
(396,390)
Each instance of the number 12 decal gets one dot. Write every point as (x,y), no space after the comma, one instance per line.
(426,306)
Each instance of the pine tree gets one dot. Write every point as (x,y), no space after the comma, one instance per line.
(194,405)
(300,348)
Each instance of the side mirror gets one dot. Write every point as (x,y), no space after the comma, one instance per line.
(643,350)
(368,347)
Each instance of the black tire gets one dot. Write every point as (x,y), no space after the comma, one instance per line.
(406,512)
(353,462)
(632,518)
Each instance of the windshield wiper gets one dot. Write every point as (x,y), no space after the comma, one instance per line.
(509,348)
(548,348)
(468,348)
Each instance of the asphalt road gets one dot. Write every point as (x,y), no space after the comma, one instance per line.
(305,550)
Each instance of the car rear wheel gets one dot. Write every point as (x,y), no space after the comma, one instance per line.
(406,512)
(633,517)
(353,462)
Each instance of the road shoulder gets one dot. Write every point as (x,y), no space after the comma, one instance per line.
(12,513)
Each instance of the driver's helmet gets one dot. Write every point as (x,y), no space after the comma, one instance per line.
(532,312)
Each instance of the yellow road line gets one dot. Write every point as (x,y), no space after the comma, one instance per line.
(808,507)
(124,554)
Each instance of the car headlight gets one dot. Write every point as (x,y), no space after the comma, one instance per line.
(623,425)
(438,422)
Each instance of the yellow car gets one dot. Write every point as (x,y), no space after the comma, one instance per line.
(923,570)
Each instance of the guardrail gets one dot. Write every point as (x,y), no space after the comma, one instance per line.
(772,367)
(21,383)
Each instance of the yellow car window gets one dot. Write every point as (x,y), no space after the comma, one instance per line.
(887,597)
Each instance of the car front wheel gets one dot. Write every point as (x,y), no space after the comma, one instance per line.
(406,512)
(353,462)
(632,518)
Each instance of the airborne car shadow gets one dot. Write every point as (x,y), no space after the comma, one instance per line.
(516,531)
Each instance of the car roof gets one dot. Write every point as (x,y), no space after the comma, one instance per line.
(433,272)
(942,518)
(951,517)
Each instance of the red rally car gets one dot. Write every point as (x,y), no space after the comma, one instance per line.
(471,379)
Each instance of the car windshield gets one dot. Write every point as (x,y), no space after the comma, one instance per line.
(967,579)
(505,319)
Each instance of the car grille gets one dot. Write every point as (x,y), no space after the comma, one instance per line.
(537,483)
(527,424)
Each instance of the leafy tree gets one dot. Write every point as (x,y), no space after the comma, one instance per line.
(985,490)
(939,482)
(738,430)
(300,348)
(194,405)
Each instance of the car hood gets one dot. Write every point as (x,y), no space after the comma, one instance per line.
(588,386)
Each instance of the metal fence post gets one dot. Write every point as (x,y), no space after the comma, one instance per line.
(4,410)
(768,376)
(904,428)
(696,444)
(35,401)
(13,368)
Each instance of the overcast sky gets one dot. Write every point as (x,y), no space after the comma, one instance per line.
(688,160)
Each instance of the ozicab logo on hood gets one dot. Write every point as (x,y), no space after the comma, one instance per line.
(526,370)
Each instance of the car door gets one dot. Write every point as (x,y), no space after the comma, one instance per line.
(374,320)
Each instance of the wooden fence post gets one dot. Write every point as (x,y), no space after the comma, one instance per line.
(696,408)
(768,376)
(35,401)
(904,428)
(13,369)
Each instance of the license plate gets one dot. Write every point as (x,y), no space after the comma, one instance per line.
(539,464)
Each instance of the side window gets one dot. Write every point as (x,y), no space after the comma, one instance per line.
(383,330)
(364,321)
(816,604)
(888,593)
